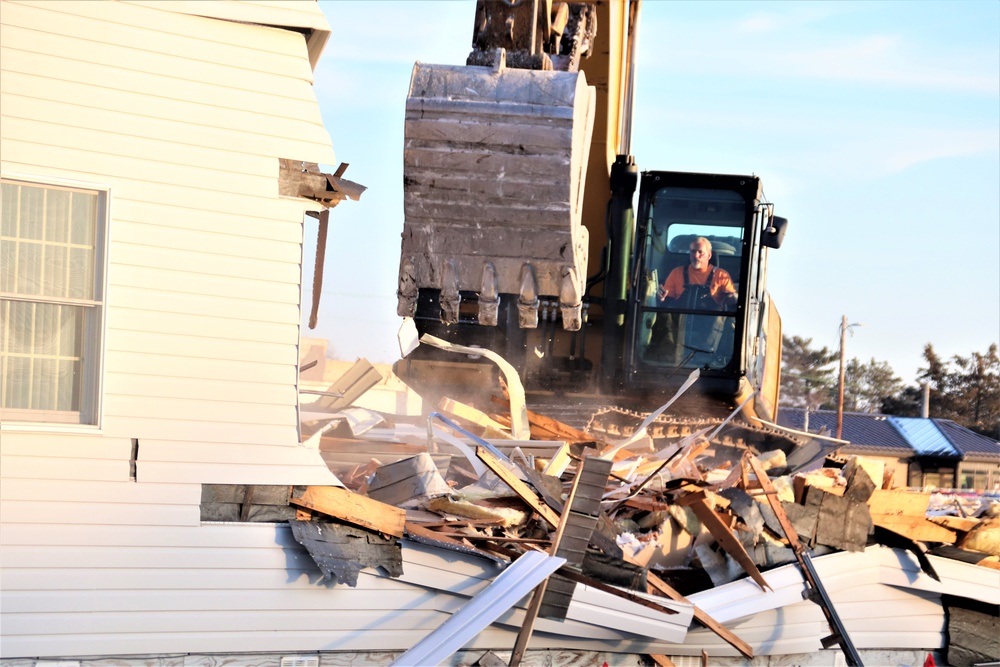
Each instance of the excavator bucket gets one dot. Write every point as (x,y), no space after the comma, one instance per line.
(494,165)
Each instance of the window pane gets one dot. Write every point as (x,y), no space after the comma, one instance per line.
(68,391)
(8,264)
(81,273)
(28,280)
(17,329)
(57,216)
(8,219)
(83,225)
(16,382)
(31,215)
(42,355)
(54,278)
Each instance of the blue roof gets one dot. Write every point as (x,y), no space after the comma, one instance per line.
(970,443)
(925,437)
(896,435)
(861,429)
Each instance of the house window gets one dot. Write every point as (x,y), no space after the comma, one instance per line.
(51,302)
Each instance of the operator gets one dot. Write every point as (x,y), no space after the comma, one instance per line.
(700,281)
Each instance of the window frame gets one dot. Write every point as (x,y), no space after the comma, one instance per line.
(90,415)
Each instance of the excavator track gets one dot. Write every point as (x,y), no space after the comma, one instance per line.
(618,422)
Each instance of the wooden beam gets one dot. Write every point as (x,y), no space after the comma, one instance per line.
(352,508)
(526,493)
(915,528)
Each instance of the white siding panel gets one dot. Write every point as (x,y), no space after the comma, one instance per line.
(239,473)
(119,150)
(283,221)
(159,34)
(195,282)
(181,323)
(51,445)
(297,13)
(201,346)
(210,411)
(129,177)
(137,300)
(31,467)
(211,258)
(59,513)
(158,387)
(153,558)
(163,140)
(391,595)
(60,490)
(198,369)
(204,452)
(235,110)
(237,137)
(243,93)
(249,257)
(170,428)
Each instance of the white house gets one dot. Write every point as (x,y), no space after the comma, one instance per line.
(151,295)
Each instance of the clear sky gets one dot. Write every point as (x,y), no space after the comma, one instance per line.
(874,126)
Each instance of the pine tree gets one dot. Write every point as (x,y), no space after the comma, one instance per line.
(807,375)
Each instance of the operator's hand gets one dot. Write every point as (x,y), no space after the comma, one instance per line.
(661,293)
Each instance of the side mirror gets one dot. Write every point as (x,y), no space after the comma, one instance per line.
(774,233)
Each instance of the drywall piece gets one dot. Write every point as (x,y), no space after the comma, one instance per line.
(516,581)
(342,551)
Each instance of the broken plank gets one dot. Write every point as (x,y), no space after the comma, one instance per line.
(957,523)
(899,503)
(352,508)
(526,493)
(915,528)
(475,416)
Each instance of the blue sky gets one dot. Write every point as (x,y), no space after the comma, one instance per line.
(874,126)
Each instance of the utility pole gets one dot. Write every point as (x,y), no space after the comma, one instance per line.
(844,327)
(840,389)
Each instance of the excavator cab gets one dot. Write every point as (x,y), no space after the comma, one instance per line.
(676,323)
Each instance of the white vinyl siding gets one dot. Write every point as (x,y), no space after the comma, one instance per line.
(182,118)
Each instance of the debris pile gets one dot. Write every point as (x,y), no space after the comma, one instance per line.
(641,519)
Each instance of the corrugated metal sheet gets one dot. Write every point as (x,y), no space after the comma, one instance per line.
(924,436)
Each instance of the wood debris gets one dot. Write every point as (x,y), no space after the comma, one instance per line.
(668,517)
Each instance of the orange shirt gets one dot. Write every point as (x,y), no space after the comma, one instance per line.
(721,286)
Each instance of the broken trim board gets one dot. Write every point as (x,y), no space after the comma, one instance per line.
(516,581)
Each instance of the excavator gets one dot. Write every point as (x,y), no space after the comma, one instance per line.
(522,235)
